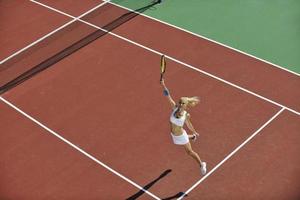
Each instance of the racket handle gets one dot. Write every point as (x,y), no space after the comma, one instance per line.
(161,77)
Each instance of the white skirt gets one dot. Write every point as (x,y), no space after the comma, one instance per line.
(180,139)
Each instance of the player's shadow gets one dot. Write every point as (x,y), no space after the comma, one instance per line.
(179,194)
(149,185)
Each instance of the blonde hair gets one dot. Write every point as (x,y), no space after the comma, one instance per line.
(190,101)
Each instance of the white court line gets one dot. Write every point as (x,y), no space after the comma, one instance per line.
(175,60)
(76,147)
(35,42)
(211,40)
(51,33)
(231,154)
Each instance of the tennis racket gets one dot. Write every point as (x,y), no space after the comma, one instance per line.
(163,66)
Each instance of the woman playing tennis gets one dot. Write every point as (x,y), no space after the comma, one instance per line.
(178,118)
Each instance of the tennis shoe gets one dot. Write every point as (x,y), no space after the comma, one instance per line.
(203,168)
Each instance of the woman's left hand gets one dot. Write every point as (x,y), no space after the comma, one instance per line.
(197,134)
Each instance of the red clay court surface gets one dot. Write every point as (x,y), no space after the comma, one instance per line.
(106,105)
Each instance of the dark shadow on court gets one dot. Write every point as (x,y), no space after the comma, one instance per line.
(179,194)
(148,186)
(45,59)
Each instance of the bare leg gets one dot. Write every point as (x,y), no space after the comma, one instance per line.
(193,154)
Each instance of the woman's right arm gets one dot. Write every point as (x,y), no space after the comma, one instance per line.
(167,94)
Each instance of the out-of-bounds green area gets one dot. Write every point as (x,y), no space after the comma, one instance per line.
(267,29)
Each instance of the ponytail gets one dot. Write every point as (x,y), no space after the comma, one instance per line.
(191,101)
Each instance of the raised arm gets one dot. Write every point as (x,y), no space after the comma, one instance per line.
(167,94)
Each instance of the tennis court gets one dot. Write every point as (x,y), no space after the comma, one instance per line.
(83,116)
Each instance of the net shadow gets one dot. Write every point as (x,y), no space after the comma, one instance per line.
(64,43)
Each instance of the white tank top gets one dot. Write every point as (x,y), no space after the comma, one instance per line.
(178,121)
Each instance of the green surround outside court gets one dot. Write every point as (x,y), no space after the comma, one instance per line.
(267,29)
